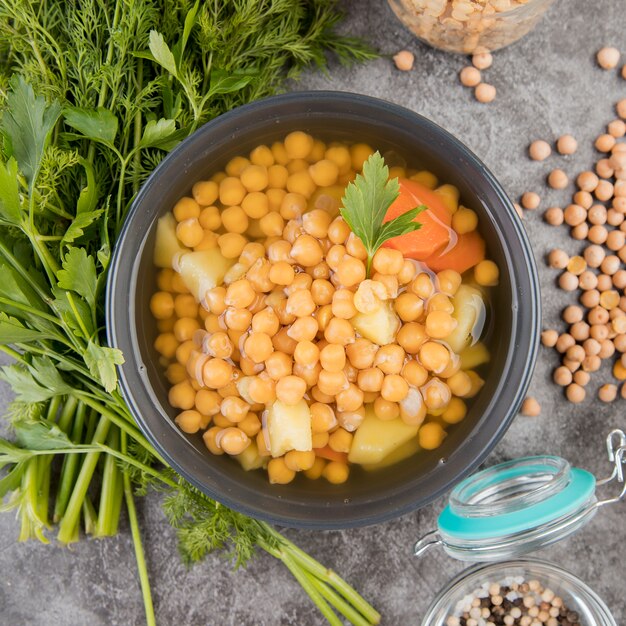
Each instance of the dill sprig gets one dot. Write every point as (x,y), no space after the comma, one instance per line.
(93,94)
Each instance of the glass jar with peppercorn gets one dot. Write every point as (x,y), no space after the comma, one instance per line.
(504,512)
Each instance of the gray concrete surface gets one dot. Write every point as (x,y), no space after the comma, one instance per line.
(547,85)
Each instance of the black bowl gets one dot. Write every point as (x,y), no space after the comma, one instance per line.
(365,498)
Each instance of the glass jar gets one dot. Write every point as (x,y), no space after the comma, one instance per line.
(576,595)
(470,27)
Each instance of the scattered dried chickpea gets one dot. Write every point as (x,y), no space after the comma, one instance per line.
(557,179)
(404,60)
(539,150)
(470,76)
(566,144)
(608,58)
(530,407)
(530,200)
(485,93)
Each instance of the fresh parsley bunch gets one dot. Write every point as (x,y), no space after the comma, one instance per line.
(93,94)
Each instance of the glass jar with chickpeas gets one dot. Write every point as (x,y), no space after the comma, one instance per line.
(285,348)
(470,27)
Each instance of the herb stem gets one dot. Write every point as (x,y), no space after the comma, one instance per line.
(331,596)
(140,557)
(106,519)
(69,522)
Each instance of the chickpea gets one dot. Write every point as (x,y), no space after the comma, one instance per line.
(235,409)
(189,421)
(574,215)
(217,373)
(182,396)
(343,304)
(436,394)
(302,183)
(298,461)
(581,378)
(394,388)
(557,179)
(554,216)
(278,365)
(162,305)
(549,338)
(566,144)
(349,400)
(231,244)
(339,331)
(316,223)
(332,383)
(290,389)
(607,393)
(323,315)
(597,234)
(530,200)
(303,329)
(587,181)
(210,440)
(558,259)
(300,303)
(336,472)
(460,384)
(530,407)
(333,357)
(190,232)
(307,251)
(486,273)
(361,353)
(262,390)
(434,356)
(568,281)
(322,418)
(539,150)
(350,271)
(298,145)
(322,291)
(431,436)
(608,58)
(279,473)
(485,93)
(439,324)
(455,412)
(411,337)
(370,379)
(265,321)
(579,331)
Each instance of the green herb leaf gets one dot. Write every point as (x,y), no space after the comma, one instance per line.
(158,134)
(222,83)
(12,480)
(101,362)
(79,274)
(28,122)
(40,435)
(10,208)
(366,202)
(47,374)
(190,20)
(24,386)
(75,314)
(162,53)
(12,331)
(77,228)
(97,124)
(88,198)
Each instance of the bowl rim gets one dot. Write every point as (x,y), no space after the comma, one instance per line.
(122,334)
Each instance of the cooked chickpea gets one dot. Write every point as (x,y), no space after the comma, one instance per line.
(258,347)
(434,356)
(350,271)
(336,472)
(300,303)
(298,461)
(339,331)
(394,388)
(349,400)
(333,357)
(189,421)
(439,324)
(279,473)
(431,436)
(182,396)
(487,273)
(332,383)
(217,373)
(290,389)
(162,305)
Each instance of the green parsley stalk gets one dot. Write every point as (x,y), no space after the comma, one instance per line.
(92,96)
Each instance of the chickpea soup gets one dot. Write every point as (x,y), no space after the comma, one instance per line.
(290,346)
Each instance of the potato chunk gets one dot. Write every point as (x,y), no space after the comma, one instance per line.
(380,327)
(167,244)
(203,270)
(289,427)
(375,438)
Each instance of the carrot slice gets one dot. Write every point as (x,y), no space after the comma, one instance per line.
(468,251)
(435,231)
(328,453)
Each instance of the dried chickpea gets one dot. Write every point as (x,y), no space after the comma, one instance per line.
(470,76)
(485,93)
(549,338)
(530,200)
(564,342)
(562,376)
(566,144)
(568,281)
(558,259)
(607,393)
(557,179)
(530,407)
(554,216)
(539,150)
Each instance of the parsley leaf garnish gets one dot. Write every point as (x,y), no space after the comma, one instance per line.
(365,205)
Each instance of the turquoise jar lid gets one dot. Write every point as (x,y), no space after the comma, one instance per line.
(573,489)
